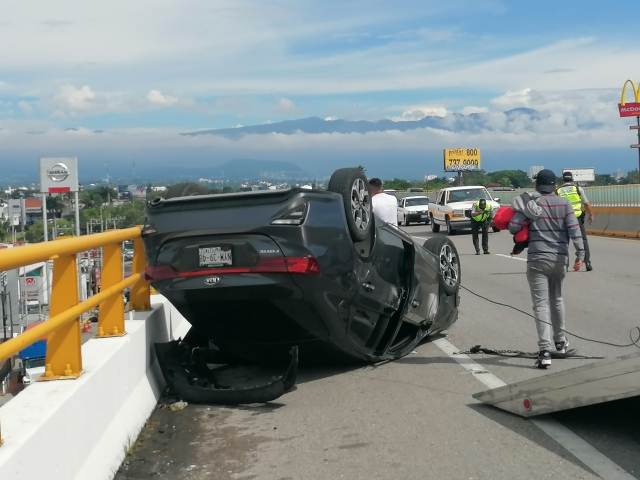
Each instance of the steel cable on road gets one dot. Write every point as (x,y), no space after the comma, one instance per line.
(634,329)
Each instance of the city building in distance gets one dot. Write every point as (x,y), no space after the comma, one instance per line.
(534,170)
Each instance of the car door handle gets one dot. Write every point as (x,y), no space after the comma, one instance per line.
(368,287)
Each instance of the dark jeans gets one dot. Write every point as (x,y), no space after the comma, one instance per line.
(475,227)
(587,255)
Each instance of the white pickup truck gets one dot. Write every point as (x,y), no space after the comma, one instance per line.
(452,208)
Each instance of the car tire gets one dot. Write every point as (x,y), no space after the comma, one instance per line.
(435,228)
(450,272)
(495,229)
(450,229)
(352,183)
(185,190)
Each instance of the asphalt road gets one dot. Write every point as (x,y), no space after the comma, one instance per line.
(415,418)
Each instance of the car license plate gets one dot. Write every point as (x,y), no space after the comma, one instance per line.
(215,256)
(423,216)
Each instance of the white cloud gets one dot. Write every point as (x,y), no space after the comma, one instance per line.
(155,97)
(196,49)
(419,112)
(331,119)
(26,108)
(71,100)
(578,109)
(430,34)
(514,99)
(286,106)
(469,110)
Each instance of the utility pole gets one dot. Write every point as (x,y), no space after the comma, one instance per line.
(3,299)
(108,184)
(114,221)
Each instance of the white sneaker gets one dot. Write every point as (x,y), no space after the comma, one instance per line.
(562,347)
(544,359)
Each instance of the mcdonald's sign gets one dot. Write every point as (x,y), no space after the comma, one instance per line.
(630,109)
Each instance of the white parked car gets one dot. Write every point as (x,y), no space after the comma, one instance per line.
(32,369)
(413,209)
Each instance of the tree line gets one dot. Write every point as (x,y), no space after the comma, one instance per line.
(502,178)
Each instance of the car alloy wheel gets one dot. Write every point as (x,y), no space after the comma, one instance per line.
(352,185)
(360,204)
(449,266)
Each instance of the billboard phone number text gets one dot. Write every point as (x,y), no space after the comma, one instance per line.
(461,159)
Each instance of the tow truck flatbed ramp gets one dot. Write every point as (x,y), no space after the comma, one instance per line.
(599,382)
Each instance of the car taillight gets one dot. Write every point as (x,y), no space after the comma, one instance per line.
(293,265)
(292,217)
(148,229)
(159,272)
(303,265)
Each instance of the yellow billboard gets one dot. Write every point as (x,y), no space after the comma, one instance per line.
(461,159)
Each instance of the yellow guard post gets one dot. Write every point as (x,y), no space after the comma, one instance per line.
(111,315)
(64,359)
(139,298)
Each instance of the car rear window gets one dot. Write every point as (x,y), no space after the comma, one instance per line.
(412,202)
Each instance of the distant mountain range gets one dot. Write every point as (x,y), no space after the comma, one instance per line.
(455,122)
(247,169)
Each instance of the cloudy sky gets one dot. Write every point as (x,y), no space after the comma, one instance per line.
(113,81)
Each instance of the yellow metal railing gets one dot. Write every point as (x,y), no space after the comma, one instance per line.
(62,329)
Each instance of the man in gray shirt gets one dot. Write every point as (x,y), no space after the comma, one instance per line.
(552,222)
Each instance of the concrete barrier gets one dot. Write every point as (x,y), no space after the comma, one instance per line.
(623,222)
(600,223)
(79,429)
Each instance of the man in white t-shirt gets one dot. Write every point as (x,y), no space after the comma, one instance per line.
(385,207)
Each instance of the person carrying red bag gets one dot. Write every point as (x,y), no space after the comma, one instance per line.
(503,217)
(552,223)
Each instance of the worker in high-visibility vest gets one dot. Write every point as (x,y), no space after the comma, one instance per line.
(481,212)
(579,201)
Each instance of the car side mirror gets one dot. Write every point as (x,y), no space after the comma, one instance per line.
(496,199)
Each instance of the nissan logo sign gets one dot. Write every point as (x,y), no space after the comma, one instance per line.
(58,173)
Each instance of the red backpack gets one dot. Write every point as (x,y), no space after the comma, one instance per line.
(502,217)
(501,221)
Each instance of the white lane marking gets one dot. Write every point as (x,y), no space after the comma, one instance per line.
(512,258)
(583,451)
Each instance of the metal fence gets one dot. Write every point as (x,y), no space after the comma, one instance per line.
(62,329)
(609,196)
(614,196)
